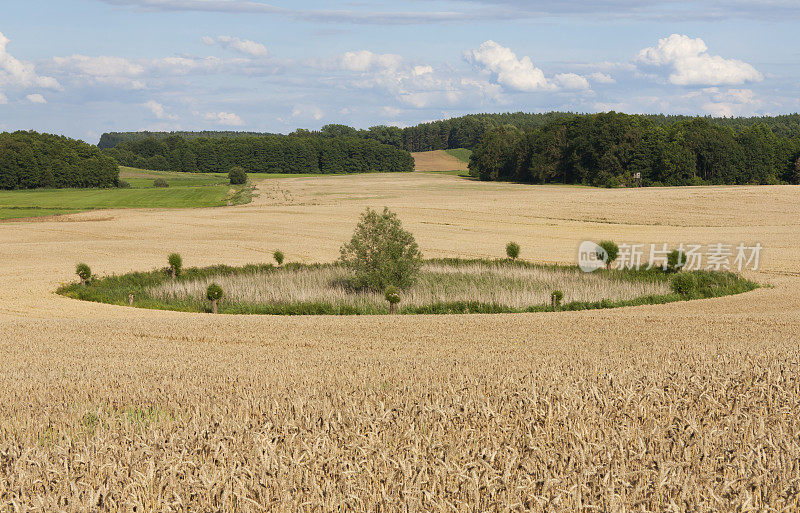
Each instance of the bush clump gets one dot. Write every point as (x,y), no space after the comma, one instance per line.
(381,253)
(676,259)
(278,256)
(512,250)
(175,265)
(214,294)
(706,284)
(160,182)
(84,273)
(393,297)
(556,297)
(611,252)
(237,176)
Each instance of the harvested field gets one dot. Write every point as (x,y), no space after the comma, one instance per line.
(681,407)
(438,160)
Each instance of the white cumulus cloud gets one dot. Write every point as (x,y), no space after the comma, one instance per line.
(511,71)
(108,70)
(364,60)
(224,118)
(572,81)
(15,72)
(36,98)
(243,46)
(602,78)
(688,63)
(307,112)
(158,110)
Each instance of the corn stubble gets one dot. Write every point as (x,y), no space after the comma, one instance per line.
(681,407)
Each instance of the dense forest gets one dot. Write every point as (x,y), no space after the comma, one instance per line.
(263,154)
(613,150)
(465,131)
(30,160)
(112,139)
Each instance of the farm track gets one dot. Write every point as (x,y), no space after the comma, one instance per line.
(684,407)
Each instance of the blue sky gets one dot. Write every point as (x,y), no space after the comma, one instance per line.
(84,67)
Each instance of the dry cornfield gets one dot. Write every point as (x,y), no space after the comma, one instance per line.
(690,406)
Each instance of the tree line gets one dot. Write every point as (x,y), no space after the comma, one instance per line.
(263,154)
(30,160)
(465,131)
(112,139)
(613,150)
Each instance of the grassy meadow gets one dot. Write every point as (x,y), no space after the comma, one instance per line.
(462,154)
(186,190)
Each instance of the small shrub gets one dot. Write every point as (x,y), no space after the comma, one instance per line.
(512,250)
(381,253)
(122,184)
(611,252)
(556,297)
(84,273)
(237,176)
(160,182)
(676,259)
(393,297)
(214,294)
(175,265)
(278,256)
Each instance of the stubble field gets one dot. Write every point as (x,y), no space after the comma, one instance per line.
(679,407)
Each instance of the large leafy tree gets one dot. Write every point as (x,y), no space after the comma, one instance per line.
(381,253)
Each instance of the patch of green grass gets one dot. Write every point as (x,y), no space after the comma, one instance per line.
(462,154)
(454,172)
(88,199)
(143,178)
(116,289)
(26,212)
(186,190)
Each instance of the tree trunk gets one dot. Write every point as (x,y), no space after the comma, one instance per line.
(174,274)
(130,299)
(555,303)
(214,306)
(392,308)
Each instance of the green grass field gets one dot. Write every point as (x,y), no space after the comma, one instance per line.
(461,154)
(186,190)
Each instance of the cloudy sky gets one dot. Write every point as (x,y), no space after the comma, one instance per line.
(84,67)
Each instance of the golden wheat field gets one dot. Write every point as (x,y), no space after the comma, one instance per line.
(689,406)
